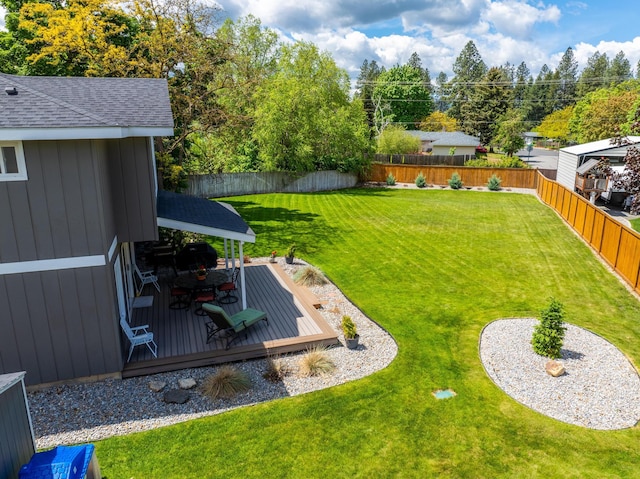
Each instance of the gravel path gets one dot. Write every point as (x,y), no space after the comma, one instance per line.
(600,390)
(89,412)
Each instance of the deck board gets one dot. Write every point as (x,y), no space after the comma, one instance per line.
(294,325)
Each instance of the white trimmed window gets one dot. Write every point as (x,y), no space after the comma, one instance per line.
(12,165)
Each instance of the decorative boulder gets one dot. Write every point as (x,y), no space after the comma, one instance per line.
(187,383)
(554,368)
(157,386)
(176,396)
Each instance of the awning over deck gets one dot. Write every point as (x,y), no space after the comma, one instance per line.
(588,165)
(199,215)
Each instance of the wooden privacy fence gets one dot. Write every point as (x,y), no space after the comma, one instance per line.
(618,245)
(471,176)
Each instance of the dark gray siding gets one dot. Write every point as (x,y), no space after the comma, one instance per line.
(133,189)
(16,442)
(56,213)
(60,324)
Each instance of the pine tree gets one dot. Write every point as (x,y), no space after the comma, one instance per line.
(548,335)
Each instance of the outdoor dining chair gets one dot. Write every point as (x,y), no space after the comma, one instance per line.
(228,288)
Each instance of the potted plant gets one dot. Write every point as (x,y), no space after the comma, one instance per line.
(350,332)
(201,273)
(272,258)
(291,252)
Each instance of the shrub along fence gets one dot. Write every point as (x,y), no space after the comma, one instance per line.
(617,244)
(453,160)
(235,184)
(471,176)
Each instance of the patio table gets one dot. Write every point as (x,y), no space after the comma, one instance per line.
(193,284)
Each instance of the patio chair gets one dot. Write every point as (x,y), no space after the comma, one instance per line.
(230,326)
(228,288)
(207,295)
(144,278)
(139,335)
(180,298)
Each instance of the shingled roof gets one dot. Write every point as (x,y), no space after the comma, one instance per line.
(80,107)
(446,138)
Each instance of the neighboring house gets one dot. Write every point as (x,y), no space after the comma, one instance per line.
(442,142)
(77,188)
(576,167)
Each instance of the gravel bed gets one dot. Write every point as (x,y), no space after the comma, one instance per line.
(72,414)
(600,390)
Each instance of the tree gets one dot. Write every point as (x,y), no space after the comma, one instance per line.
(594,75)
(601,113)
(403,88)
(395,140)
(509,133)
(438,121)
(567,77)
(629,179)
(540,96)
(441,92)
(522,77)
(469,68)
(556,125)
(490,100)
(304,118)
(548,335)
(369,72)
(619,70)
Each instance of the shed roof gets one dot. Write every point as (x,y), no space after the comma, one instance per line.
(199,215)
(79,107)
(597,146)
(446,138)
(8,380)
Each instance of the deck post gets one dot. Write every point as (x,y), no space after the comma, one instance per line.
(243,291)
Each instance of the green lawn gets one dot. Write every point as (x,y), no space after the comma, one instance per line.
(433,267)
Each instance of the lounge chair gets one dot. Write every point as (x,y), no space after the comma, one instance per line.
(144,278)
(230,326)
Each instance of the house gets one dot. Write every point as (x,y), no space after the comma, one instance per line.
(78,187)
(577,168)
(442,142)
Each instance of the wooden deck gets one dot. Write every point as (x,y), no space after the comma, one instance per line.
(294,325)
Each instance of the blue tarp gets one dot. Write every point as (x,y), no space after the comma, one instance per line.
(62,462)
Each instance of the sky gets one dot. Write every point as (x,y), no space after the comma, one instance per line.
(389,31)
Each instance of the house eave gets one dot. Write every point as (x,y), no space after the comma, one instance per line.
(81,133)
(248,237)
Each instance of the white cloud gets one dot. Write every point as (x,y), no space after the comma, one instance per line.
(518,19)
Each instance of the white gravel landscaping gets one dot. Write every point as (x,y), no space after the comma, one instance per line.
(600,390)
(79,413)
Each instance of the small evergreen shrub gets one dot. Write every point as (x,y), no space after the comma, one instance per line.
(315,362)
(349,328)
(277,369)
(548,335)
(391,180)
(226,383)
(494,183)
(420,181)
(455,182)
(309,276)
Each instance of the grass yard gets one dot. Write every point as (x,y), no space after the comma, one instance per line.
(432,267)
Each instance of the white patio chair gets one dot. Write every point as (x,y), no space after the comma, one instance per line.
(139,335)
(145,277)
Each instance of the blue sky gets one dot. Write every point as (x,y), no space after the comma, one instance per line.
(389,31)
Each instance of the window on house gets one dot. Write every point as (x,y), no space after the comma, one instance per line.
(12,165)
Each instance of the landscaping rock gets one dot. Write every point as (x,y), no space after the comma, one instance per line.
(187,383)
(554,368)
(157,386)
(176,396)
